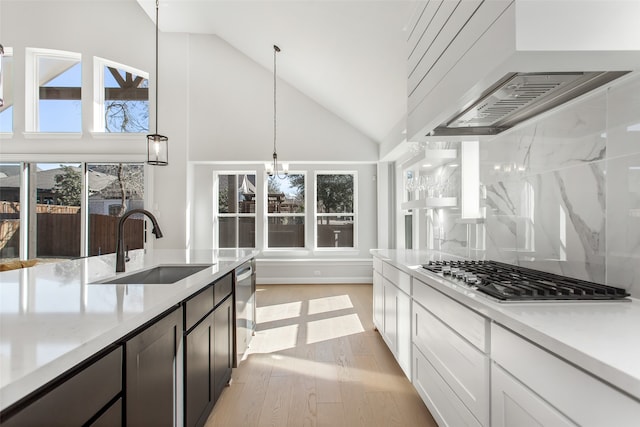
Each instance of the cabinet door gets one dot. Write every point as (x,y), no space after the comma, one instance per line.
(112,417)
(378,301)
(404,332)
(514,405)
(151,373)
(390,320)
(198,373)
(222,346)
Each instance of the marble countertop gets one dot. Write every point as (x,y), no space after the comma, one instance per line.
(602,338)
(54,316)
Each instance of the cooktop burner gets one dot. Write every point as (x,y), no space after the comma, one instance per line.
(507,282)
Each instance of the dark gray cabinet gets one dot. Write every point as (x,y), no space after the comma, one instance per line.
(151,372)
(208,348)
(77,399)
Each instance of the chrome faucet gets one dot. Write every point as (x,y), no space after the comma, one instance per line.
(120,238)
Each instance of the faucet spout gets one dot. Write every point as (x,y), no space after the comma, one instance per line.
(120,238)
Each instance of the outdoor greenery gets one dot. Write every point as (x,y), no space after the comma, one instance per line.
(68,186)
(335,193)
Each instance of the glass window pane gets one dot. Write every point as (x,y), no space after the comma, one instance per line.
(335,231)
(247,193)
(247,232)
(335,193)
(59,107)
(6,94)
(227,193)
(113,190)
(227,232)
(58,194)
(286,195)
(126,101)
(9,211)
(286,232)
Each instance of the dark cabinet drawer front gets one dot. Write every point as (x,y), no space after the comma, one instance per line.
(198,307)
(112,417)
(78,398)
(222,288)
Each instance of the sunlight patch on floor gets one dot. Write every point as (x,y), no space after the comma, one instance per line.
(334,327)
(333,303)
(273,313)
(278,339)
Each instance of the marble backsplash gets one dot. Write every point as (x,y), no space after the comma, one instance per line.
(562,192)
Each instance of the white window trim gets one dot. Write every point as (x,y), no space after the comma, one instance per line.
(217,215)
(32,86)
(98,94)
(354,213)
(267,215)
(8,51)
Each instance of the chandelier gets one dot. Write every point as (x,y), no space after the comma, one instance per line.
(157,145)
(272,169)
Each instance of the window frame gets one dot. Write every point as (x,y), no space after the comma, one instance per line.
(8,53)
(317,215)
(98,122)
(32,90)
(237,215)
(268,215)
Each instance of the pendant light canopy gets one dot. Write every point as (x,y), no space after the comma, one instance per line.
(157,145)
(272,169)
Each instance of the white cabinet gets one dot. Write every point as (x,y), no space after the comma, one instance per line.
(579,396)
(514,405)
(392,311)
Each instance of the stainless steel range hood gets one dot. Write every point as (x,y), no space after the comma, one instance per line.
(518,97)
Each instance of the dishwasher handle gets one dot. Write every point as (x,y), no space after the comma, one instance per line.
(243,273)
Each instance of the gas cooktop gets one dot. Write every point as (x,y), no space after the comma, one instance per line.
(510,283)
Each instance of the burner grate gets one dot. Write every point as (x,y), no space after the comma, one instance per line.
(513,283)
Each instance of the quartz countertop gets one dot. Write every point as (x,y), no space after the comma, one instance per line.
(602,338)
(54,316)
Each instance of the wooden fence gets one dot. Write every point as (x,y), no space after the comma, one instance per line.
(59,235)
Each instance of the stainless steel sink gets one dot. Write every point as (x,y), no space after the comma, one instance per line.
(160,275)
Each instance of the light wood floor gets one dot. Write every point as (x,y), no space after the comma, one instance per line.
(316,360)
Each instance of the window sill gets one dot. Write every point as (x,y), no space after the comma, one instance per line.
(52,135)
(285,252)
(336,251)
(119,135)
(6,135)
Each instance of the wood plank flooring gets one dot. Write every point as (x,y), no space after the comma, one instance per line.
(316,360)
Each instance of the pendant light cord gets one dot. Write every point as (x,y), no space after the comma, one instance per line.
(157,79)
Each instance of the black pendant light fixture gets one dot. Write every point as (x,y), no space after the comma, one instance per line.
(272,169)
(157,145)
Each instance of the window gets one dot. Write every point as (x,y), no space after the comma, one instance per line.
(121,97)
(58,195)
(335,213)
(9,211)
(285,211)
(54,82)
(6,90)
(236,210)
(114,189)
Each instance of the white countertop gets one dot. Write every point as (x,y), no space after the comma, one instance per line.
(54,316)
(602,338)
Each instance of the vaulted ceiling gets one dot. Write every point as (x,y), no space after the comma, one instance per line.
(349,55)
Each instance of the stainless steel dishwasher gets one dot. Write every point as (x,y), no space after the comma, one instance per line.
(245,279)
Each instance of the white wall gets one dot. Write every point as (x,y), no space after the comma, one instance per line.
(215,106)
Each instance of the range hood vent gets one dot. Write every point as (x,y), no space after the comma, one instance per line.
(518,97)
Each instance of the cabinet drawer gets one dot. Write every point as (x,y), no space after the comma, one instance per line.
(462,366)
(444,405)
(221,288)
(580,396)
(464,321)
(399,278)
(197,307)
(78,398)
(377,265)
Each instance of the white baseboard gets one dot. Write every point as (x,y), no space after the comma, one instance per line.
(313,271)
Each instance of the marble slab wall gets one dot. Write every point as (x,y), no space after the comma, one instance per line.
(562,193)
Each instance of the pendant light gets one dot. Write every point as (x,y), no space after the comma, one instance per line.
(157,145)
(1,55)
(272,169)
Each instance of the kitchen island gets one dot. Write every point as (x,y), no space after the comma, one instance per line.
(476,361)
(54,317)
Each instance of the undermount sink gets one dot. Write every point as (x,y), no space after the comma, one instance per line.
(160,275)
